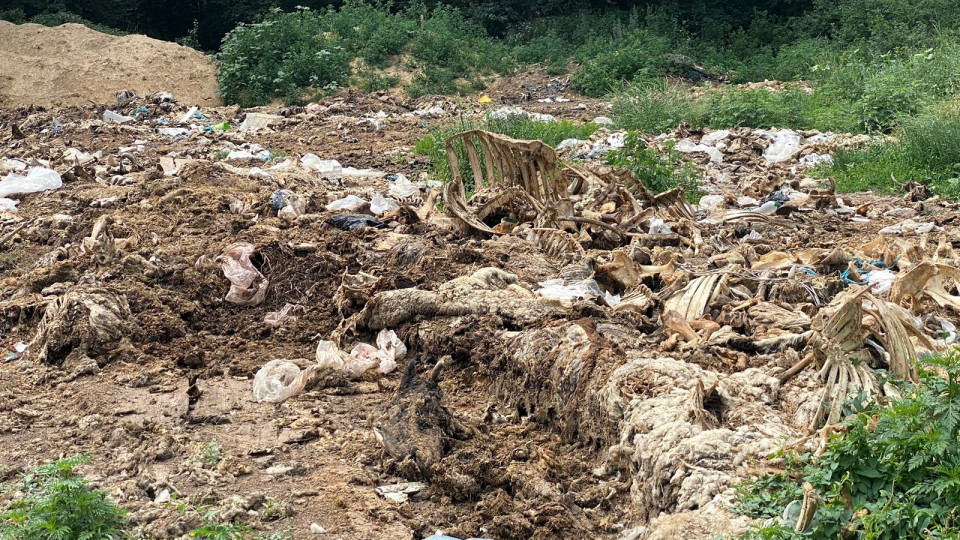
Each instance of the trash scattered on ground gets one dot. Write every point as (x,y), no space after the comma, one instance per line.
(352,222)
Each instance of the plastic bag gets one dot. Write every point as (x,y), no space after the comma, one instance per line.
(279,380)
(881,281)
(326,168)
(37,179)
(382,205)
(555,289)
(8,205)
(712,138)
(248,286)
(402,188)
(786,144)
(687,146)
(276,318)
(657,226)
(329,356)
(350,222)
(288,204)
(350,203)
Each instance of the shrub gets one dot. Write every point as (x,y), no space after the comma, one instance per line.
(284,56)
(58,504)
(896,468)
(63,17)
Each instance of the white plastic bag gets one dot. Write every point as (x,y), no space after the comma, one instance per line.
(555,289)
(687,146)
(279,380)
(326,168)
(402,188)
(37,179)
(248,286)
(329,356)
(8,205)
(657,226)
(786,144)
(350,203)
(881,281)
(382,205)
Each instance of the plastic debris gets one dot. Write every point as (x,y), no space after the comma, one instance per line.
(399,493)
(326,168)
(556,289)
(279,380)
(714,137)
(658,226)
(289,205)
(403,189)
(350,203)
(881,281)
(382,205)
(186,118)
(15,352)
(710,201)
(277,318)
(316,528)
(504,113)
(906,228)
(350,222)
(37,179)
(785,145)
(363,357)
(248,286)
(567,144)
(253,122)
(602,121)
(111,116)
(687,146)
(173,132)
(814,160)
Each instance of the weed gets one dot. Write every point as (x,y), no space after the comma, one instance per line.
(210,454)
(658,171)
(59,504)
(896,468)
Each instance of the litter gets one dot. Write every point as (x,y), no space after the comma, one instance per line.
(557,289)
(602,121)
(350,203)
(658,226)
(277,318)
(910,227)
(687,146)
(350,222)
(382,205)
(248,287)
(326,168)
(190,114)
(111,116)
(174,132)
(279,380)
(785,145)
(399,493)
(363,357)
(289,205)
(37,179)
(253,122)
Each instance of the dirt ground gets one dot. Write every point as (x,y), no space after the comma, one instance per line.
(72,65)
(548,418)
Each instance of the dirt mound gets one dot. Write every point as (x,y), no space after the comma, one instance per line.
(72,64)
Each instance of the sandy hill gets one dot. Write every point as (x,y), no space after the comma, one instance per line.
(73,65)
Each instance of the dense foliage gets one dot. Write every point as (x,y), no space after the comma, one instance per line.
(893,473)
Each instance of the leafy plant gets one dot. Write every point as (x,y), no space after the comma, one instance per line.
(56,503)
(894,473)
(658,171)
(284,56)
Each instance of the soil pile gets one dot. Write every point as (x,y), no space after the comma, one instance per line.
(72,64)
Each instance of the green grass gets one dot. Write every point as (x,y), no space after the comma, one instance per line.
(896,467)
(56,503)
(659,171)
(926,150)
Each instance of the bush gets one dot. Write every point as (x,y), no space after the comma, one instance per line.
(285,56)
(896,468)
(63,17)
(58,504)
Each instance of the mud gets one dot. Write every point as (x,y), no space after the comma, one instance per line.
(524,416)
